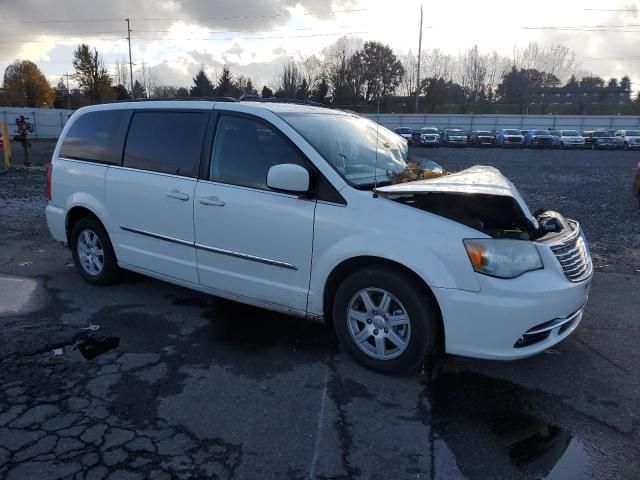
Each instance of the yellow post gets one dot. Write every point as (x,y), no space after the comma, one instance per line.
(8,156)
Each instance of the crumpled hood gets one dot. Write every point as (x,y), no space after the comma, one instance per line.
(480,179)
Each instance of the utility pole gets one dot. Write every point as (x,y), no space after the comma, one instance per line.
(130,61)
(68,92)
(419,58)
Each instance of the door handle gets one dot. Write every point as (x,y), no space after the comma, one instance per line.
(178,195)
(211,201)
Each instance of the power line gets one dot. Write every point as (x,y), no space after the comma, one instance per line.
(174,19)
(634,10)
(158,39)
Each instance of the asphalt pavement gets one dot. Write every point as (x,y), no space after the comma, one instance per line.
(150,380)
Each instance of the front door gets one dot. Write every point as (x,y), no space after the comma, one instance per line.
(252,242)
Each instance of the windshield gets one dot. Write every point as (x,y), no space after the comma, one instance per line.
(512,132)
(484,132)
(429,130)
(402,130)
(541,132)
(570,133)
(601,134)
(362,151)
(455,132)
(633,133)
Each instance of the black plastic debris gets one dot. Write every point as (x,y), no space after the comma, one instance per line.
(91,347)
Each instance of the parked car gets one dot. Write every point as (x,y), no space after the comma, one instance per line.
(405,133)
(636,184)
(571,139)
(482,138)
(271,204)
(507,137)
(555,138)
(427,137)
(538,139)
(627,139)
(599,139)
(452,137)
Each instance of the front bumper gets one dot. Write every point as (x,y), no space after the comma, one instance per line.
(429,141)
(498,321)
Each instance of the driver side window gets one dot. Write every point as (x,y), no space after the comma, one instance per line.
(244,149)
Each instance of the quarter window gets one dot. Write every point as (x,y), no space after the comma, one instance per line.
(244,149)
(165,142)
(96,137)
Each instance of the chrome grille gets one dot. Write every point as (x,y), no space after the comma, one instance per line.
(573,255)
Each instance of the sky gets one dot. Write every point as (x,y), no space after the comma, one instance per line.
(256,37)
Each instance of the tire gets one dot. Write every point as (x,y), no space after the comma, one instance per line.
(626,146)
(562,146)
(414,340)
(88,235)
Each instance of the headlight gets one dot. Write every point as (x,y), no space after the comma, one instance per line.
(502,258)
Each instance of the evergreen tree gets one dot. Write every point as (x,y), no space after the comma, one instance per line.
(202,86)
(138,90)
(266,92)
(226,86)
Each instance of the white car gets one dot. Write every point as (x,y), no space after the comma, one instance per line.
(295,209)
(627,139)
(570,139)
(405,133)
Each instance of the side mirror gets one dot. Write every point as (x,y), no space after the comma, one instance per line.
(288,177)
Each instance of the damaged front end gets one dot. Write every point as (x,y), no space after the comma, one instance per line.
(482,198)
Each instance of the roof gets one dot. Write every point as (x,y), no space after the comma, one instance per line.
(275,107)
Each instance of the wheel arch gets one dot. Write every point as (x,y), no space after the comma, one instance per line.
(76,213)
(353,264)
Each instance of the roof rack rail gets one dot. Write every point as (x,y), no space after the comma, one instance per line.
(178,99)
(286,100)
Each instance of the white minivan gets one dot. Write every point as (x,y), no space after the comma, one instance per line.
(303,210)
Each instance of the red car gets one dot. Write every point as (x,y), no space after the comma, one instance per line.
(636,184)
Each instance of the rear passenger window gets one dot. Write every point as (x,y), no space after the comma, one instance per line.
(245,149)
(96,137)
(166,142)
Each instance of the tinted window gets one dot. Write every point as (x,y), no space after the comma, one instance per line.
(96,136)
(245,149)
(166,142)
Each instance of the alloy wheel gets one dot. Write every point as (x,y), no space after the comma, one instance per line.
(378,323)
(90,252)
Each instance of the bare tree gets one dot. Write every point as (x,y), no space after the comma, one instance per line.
(409,82)
(122,73)
(555,59)
(290,80)
(147,78)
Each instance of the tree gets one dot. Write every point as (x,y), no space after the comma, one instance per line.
(138,90)
(472,78)
(226,86)
(303,90)
(625,83)
(379,69)
(612,83)
(320,92)
(290,80)
(165,91)
(91,74)
(182,93)
(120,92)
(439,91)
(519,85)
(202,86)
(26,86)
(591,81)
(61,95)
(266,92)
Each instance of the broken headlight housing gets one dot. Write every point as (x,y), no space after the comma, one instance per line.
(502,258)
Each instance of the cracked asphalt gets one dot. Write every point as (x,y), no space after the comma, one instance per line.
(177,384)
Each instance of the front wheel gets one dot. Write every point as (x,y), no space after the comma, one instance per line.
(385,320)
(93,253)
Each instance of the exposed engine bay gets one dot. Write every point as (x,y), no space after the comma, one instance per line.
(483,199)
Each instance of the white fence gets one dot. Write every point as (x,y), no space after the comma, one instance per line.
(47,122)
(520,122)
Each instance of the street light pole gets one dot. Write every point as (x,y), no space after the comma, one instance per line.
(130,61)
(419,58)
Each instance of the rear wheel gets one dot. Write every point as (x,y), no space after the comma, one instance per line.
(92,252)
(385,320)
(626,146)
